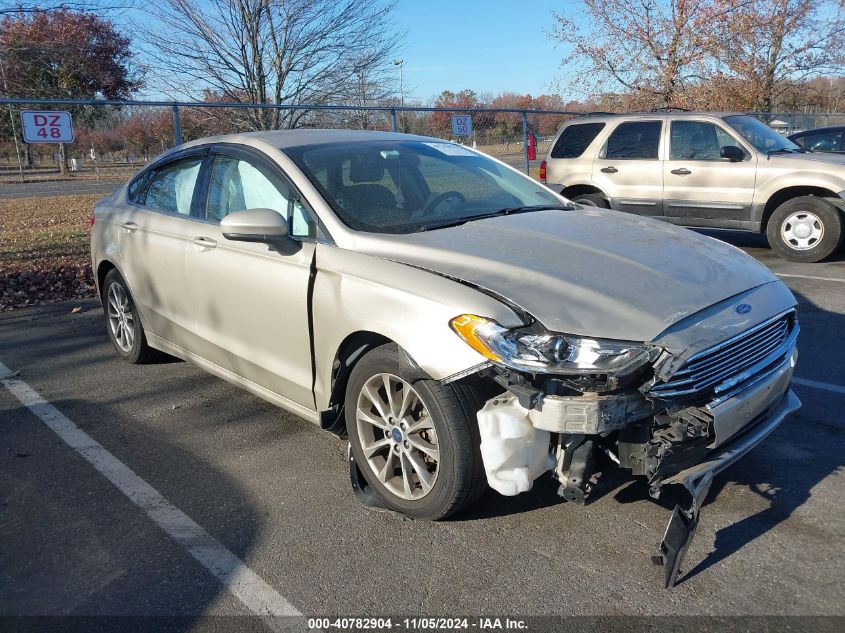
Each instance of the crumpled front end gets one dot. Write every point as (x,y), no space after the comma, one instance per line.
(680,417)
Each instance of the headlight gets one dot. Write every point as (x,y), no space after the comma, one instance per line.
(543,352)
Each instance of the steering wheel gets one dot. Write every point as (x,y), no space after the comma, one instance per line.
(431,205)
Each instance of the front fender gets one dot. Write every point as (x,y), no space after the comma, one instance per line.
(354,292)
(777,180)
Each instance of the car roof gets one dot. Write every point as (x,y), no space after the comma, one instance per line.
(813,130)
(677,114)
(305,136)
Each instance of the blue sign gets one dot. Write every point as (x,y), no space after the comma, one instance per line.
(461,125)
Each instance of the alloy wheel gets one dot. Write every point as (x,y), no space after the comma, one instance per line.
(121,319)
(397,436)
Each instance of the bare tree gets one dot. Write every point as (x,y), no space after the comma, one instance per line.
(44,6)
(283,52)
(770,46)
(648,48)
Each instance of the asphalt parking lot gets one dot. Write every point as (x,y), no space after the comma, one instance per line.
(274,491)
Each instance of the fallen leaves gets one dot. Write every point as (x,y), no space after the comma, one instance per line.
(44,252)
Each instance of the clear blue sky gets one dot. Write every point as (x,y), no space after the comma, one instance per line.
(489,46)
(486,45)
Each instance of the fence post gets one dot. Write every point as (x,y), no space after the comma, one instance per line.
(393,119)
(177,126)
(525,141)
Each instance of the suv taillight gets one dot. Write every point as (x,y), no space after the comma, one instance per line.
(543,172)
(92,217)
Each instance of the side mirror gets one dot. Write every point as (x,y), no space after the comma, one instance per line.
(254,225)
(732,153)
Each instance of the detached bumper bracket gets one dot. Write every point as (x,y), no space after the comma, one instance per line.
(680,531)
(697,479)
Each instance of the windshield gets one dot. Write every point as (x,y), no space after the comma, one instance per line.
(398,186)
(760,135)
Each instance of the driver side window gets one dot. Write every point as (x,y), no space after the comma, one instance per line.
(698,140)
(236,185)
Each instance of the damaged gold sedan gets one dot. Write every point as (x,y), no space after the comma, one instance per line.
(465,326)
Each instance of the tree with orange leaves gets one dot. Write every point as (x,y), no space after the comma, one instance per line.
(651,49)
(770,46)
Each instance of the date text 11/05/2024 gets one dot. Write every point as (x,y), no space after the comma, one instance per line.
(418,623)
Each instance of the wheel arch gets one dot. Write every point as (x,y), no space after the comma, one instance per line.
(103,269)
(350,351)
(788,193)
(574,191)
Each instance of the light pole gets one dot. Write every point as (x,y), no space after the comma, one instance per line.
(400,63)
(12,120)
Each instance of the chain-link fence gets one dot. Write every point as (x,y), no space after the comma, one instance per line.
(47,190)
(112,139)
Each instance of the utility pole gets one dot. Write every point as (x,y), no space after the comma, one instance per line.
(12,121)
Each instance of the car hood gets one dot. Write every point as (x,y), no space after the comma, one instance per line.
(590,272)
(818,157)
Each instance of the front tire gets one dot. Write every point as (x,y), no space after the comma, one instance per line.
(415,441)
(123,323)
(592,200)
(805,229)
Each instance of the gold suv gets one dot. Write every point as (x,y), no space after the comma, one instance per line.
(722,171)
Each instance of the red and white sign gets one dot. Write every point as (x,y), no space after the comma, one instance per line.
(46,126)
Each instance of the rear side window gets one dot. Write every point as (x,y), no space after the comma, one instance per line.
(138,187)
(575,139)
(634,140)
(172,187)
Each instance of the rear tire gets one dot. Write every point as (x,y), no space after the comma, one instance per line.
(805,229)
(592,200)
(439,418)
(123,322)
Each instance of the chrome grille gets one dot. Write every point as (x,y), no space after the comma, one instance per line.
(733,361)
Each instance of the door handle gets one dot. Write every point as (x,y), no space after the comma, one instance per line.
(683,171)
(129,227)
(204,242)
(609,170)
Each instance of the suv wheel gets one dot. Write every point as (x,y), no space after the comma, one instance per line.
(122,321)
(415,441)
(805,229)
(592,200)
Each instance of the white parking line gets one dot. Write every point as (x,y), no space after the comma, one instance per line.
(247,586)
(818,385)
(789,275)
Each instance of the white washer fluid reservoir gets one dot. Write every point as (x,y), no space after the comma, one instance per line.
(514,452)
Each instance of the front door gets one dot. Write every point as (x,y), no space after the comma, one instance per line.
(629,170)
(251,300)
(699,187)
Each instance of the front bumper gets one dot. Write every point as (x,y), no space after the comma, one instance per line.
(736,448)
(740,423)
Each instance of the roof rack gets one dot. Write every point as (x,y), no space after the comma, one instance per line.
(597,113)
(670,109)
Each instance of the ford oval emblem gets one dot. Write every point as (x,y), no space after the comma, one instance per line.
(743,308)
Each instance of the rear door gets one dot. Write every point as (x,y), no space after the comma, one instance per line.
(629,167)
(154,230)
(699,187)
(250,299)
